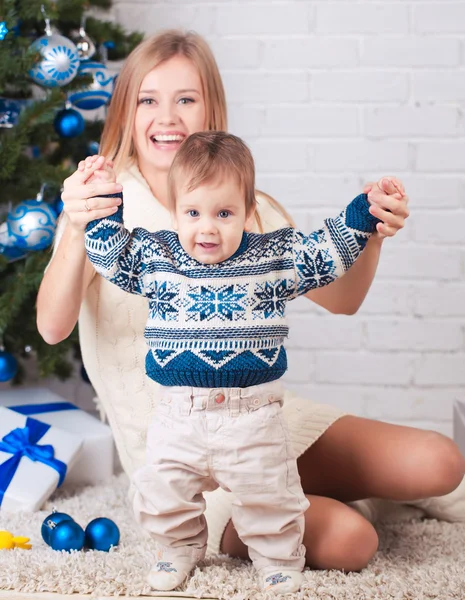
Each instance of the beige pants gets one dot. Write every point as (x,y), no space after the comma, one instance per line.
(234,438)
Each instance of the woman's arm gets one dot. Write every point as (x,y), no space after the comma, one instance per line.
(346,294)
(69,273)
(63,287)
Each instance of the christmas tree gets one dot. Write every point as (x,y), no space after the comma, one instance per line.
(53,70)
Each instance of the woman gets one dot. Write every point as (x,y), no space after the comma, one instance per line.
(168,88)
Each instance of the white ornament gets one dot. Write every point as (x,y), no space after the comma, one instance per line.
(60,61)
(98,93)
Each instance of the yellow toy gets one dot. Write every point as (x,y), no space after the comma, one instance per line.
(9,541)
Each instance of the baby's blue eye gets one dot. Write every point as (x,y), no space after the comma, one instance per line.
(193,213)
(224,214)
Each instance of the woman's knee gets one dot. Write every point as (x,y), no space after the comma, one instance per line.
(444,464)
(348,543)
(439,464)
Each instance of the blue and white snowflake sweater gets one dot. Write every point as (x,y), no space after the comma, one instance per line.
(223,325)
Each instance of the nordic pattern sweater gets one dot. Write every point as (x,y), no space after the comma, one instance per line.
(223,325)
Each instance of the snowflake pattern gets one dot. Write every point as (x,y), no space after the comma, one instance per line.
(130,273)
(272,298)
(315,270)
(165,301)
(226,302)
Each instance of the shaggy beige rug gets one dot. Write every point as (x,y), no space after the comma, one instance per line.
(417,560)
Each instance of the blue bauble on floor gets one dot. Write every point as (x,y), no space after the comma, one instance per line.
(51,522)
(102,534)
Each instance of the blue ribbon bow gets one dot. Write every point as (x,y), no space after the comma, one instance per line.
(23,443)
(37,409)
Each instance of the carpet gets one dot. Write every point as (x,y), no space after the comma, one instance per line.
(417,560)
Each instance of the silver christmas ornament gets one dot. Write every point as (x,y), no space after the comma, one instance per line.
(85,46)
(60,59)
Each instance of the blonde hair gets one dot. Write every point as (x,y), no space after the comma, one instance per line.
(117,137)
(207,155)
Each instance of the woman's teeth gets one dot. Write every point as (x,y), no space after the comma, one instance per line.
(167,138)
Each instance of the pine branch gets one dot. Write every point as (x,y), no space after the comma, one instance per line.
(33,153)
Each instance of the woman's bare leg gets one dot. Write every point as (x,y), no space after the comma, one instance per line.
(358,458)
(336,537)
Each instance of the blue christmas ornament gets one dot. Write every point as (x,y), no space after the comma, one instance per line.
(69,123)
(51,522)
(31,224)
(60,60)
(8,366)
(92,148)
(7,245)
(58,205)
(10,110)
(3,30)
(67,535)
(98,93)
(101,534)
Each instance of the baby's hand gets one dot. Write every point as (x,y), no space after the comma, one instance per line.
(389,204)
(100,169)
(386,186)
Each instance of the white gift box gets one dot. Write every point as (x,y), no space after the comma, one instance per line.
(95,463)
(29,449)
(459,425)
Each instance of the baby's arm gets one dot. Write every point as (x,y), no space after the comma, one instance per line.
(326,254)
(115,253)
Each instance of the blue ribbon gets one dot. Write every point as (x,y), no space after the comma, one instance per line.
(23,443)
(37,409)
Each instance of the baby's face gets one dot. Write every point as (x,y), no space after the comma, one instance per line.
(211,219)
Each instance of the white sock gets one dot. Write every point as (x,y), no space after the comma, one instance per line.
(450,507)
(167,575)
(281,581)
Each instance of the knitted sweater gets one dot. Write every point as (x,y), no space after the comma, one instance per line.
(223,325)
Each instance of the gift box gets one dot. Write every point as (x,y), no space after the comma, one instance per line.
(34,459)
(95,463)
(459,425)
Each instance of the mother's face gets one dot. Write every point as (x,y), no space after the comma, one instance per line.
(170,107)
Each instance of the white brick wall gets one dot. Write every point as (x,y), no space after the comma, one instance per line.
(330,94)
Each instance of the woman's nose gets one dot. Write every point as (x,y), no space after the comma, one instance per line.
(167,114)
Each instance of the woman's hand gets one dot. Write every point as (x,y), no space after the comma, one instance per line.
(82,199)
(389,204)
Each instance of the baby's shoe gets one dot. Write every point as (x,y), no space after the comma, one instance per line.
(167,575)
(281,581)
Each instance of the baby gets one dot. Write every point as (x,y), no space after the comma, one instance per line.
(217,296)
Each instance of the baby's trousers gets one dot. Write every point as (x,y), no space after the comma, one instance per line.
(235,438)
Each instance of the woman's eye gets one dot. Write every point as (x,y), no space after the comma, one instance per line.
(147,101)
(186,100)
(193,213)
(223,214)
